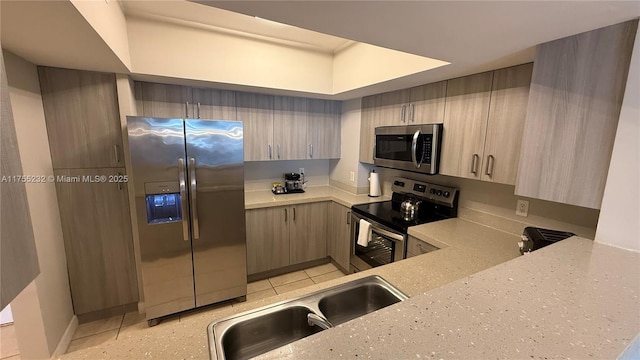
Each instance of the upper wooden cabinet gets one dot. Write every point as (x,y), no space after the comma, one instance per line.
(507,111)
(484,119)
(256,113)
(465,122)
(427,103)
(162,100)
(214,104)
(176,101)
(275,127)
(372,116)
(324,129)
(83,122)
(419,105)
(290,127)
(576,94)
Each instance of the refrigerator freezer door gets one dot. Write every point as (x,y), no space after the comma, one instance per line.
(215,148)
(157,147)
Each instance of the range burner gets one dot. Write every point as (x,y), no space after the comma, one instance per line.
(437,203)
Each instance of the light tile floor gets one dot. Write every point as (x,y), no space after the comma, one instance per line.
(100,331)
(9,343)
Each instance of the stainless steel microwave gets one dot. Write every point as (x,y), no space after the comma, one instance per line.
(412,147)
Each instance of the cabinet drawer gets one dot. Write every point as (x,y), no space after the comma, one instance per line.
(417,247)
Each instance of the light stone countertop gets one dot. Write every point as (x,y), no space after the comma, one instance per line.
(571,299)
(575,299)
(265,198)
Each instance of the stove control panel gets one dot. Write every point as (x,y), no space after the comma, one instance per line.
(441,194)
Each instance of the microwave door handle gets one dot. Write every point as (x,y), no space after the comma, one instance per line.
(414,149)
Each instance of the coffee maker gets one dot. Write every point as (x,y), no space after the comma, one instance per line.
(294,183)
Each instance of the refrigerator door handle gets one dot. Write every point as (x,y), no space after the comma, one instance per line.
(183,200)
(194,204)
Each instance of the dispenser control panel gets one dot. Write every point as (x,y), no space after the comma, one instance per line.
(164,204)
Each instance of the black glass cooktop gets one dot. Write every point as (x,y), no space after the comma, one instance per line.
(388,214)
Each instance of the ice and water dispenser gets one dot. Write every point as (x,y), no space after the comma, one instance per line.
(163,202)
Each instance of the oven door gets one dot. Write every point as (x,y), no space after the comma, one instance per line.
(413,148)
(386,246)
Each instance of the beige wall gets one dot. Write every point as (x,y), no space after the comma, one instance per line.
(340,171)
(619,223)
(362,64)
(172,50)
(108,21)
(49,296)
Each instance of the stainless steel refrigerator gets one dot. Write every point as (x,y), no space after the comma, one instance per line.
(188,178)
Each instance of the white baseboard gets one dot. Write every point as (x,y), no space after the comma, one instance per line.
(63,345)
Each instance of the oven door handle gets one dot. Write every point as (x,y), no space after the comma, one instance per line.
(414,148)
(376,227)
(387,234)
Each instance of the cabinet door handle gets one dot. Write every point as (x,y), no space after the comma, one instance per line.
(490,161)
(116,153)
(294,214)
(270,155)
(118,180)
(474,163)
(198,105)
(411,111)
(278,151)
(403,110)
(311,150)
(286,215)
(348,217)
(186,109)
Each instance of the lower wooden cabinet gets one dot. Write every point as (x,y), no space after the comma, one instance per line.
(94,212)
(267,239)
(417,247)
(339,243)
(308,232)
(285,235)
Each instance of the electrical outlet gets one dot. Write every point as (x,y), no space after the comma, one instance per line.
(352,176)
(301,170)
(522,208)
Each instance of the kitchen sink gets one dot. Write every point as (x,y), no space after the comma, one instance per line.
(263,332)
(352,303)
(255,332)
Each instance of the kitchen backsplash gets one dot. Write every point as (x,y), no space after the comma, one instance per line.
(495,204)
(258,175)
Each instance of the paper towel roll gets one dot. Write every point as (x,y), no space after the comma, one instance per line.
(374,184)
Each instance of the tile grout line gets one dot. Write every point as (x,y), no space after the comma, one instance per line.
(98,333)
(120,327)
(277,293)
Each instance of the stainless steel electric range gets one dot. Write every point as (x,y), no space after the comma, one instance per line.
(386,223)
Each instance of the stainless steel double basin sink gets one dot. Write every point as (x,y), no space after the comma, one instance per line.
(255,332)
